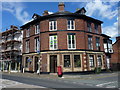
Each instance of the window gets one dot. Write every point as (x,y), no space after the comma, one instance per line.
(90,45)
(27,46)
(37,44)
(99,61)
(71,25)
(27,32)
(77,61)
(96,28)
(110,49)
(67,61)
(71,42)
(37,29)
(89,26)
(91,60)
(52,25)
(97,43)
(53,42)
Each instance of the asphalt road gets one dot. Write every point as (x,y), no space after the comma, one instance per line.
(109,80)
(48,83)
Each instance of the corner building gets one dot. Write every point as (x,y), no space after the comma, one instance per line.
(72,40)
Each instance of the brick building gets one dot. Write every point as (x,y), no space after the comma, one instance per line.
(108,49)
(115,59)
(11,49)
(72,40)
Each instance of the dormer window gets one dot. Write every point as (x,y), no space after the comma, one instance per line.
(81,11)
(34,17)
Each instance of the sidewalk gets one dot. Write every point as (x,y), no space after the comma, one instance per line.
(55,76)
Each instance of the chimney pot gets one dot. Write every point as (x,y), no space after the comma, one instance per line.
(61,6)
(45,12)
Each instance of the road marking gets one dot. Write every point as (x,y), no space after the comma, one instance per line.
(74,82)
(100,85)
(110,86)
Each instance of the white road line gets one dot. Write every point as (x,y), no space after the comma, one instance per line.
(100,85)
(110,86)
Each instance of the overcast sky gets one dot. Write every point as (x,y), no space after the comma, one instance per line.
(18,13)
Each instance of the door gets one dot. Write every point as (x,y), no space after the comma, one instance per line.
(53,63)
(36,64)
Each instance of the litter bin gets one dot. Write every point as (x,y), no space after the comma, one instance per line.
(60,73)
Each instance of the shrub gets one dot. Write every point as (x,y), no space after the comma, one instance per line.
(97,70)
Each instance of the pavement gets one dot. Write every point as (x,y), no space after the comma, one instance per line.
(102,80)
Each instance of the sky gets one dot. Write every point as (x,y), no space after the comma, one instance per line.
(18,13)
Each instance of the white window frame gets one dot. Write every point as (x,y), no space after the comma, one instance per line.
(37,29)
(71,25)
(91,64)
(96,28)
(71,41)
(51,23)
(27,32)
(79,60)
(37,47)
(89,27)
(27,46)
(99,63)
(67,60)
(52,37)
(91,44)
(97,43)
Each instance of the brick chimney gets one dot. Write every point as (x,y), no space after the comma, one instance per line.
(61,6)
(13,27)
(45,13)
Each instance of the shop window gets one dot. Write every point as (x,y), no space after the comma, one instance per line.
(77,61)
(91,60)
(99,61)
(67,61)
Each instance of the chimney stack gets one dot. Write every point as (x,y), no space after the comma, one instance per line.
(45,12)
(61,6)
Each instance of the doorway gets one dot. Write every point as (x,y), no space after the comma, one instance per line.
(36,64)
(53,63)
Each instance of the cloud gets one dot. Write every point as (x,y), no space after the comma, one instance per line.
(50,12)
(103,9)
(17,9)
(111,31)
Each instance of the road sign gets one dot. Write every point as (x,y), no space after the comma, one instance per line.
(29,60)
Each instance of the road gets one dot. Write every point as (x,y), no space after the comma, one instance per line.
(74,81)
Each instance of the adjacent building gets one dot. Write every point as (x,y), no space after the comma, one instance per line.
(71,40)
(108,50)
(115,59)
(11,49)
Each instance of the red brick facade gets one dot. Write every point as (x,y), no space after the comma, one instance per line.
(115,58)
(81,41)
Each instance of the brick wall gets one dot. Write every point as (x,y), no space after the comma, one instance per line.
(81,37)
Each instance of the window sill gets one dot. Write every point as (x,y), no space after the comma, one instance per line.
(71,48)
